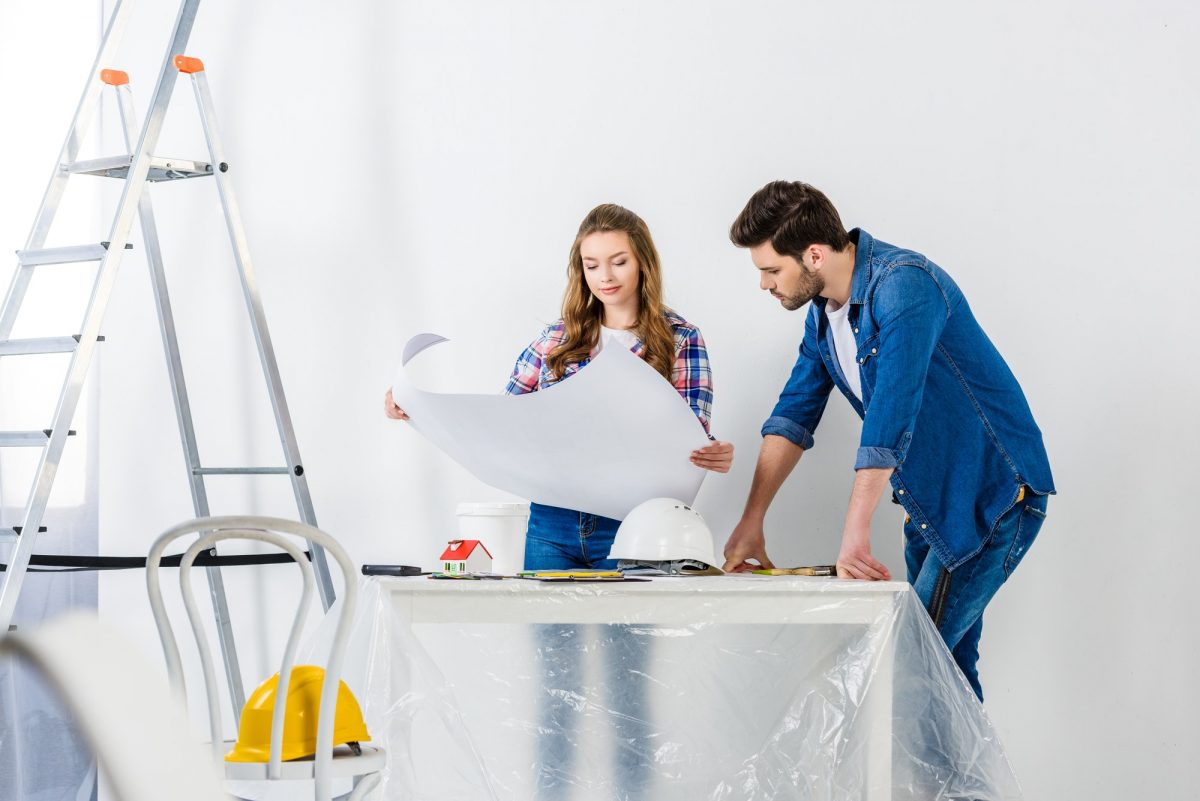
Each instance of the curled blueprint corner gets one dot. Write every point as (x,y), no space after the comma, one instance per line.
(419,343)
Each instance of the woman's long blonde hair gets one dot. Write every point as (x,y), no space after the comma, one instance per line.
(583,312)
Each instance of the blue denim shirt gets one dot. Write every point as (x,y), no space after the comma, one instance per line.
(939,404)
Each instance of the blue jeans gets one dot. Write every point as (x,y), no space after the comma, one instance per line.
(956,598)
(563,539)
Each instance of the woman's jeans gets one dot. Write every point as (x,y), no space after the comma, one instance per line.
(562,539)
(956,598)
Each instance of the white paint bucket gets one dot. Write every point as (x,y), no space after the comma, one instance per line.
(501,529)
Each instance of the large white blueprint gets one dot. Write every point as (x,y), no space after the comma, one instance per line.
(613,435)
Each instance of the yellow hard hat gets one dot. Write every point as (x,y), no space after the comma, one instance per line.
(299,718)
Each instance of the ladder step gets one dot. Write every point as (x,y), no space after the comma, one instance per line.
(160,169)
(28,347)
(27,439)
(241,471)
(71,254)
(13,534)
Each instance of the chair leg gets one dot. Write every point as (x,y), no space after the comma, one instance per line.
(362,786)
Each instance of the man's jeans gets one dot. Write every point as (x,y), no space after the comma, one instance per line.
(956,599)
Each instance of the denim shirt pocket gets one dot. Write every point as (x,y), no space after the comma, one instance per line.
(868,359)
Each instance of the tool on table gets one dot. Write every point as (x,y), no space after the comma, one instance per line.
(577,575)
(391,570)
(816,570)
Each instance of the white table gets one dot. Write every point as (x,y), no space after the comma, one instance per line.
(718,600)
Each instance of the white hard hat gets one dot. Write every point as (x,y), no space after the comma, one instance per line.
(663,530)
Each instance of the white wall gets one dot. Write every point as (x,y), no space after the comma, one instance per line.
(422,166)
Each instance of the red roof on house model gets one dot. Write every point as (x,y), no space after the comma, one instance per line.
(459,550)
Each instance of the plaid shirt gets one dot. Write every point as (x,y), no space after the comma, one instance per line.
(691,374)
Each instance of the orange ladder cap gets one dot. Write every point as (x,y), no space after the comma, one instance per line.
(114,77)
(188,65)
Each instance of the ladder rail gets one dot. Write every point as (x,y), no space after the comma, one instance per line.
(183,412)
(52,196)
(135,200)
(101,291)
(51,454)
(262,336)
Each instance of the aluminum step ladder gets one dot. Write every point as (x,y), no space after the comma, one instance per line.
(138,168)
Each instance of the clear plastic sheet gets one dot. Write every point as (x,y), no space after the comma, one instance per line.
(727,688)
(42,755)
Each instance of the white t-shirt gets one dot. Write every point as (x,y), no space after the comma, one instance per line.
(844,346)
(624,336)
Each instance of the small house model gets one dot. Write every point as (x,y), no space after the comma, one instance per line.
(466,556)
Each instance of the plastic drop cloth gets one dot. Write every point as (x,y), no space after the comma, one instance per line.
(727,688)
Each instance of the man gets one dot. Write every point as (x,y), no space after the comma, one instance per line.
(944,420)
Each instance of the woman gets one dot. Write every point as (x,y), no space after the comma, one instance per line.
(613,299)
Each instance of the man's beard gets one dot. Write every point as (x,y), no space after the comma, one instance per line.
(811,285)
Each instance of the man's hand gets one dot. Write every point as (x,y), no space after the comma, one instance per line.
(746,542)
(855,560)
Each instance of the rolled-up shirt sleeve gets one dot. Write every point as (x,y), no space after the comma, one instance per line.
(692,376)
(911,311)
(806,393)
(528,369)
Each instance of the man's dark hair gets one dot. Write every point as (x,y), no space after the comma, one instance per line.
(791,215)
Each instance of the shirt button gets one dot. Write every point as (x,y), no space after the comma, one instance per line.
(862,361)
(901,492)
(923,525)
(856,330)
(874,351)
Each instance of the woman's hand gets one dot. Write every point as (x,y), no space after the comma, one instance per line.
(717,457)
(392,410)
